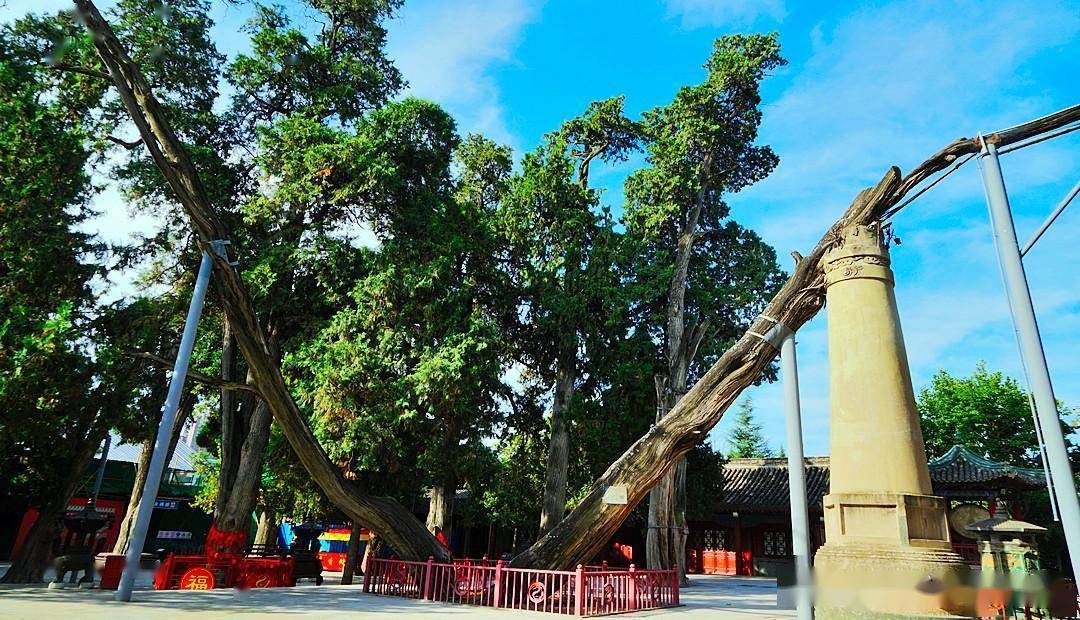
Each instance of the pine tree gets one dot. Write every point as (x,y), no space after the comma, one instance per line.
(746,439)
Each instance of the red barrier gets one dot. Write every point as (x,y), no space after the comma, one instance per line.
(229,571)
(476,582)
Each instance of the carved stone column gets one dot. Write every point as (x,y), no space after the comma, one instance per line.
(887,538)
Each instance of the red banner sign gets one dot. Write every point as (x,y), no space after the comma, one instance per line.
(197,578)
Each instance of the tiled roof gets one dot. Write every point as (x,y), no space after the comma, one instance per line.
(962,467)
(183,457)
(762,484)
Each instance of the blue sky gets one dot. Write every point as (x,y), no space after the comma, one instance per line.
(868,85)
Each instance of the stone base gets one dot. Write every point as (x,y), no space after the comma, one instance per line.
(889,553)
(891,579)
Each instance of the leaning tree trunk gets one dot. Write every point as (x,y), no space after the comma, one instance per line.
(142,468)
(586,529)
(383,514)
(554,503)
(28,566)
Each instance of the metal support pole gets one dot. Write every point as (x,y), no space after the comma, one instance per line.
(161,444)
(100,470)
(1050,219)
(800,523)
(1027,329)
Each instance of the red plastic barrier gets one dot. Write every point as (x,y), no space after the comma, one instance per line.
(111,569)
(229,571)
(264,573)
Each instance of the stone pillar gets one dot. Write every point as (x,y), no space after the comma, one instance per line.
(887,538)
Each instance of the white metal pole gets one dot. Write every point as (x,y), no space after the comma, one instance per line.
(161,444)
(800,523)
(1027,329)
(1050,220)
(100,470)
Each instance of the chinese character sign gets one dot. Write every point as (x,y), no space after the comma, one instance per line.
(197,578)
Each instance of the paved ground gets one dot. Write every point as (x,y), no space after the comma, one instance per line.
(709,597)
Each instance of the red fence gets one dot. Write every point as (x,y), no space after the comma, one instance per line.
(480,583)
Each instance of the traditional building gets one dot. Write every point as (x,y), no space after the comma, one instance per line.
(174,523)
(750,532)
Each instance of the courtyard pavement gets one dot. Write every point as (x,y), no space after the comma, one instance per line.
(708,597)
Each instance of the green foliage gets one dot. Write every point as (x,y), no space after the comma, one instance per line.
(338,73)
(745,439)
(987,412)
(62,379)
(702,144)
(402,382)
(427,358)
(990,413)
(701,147)
(704,482)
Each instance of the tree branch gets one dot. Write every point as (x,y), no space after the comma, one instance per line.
(81,70)
(124,143)
(198,376)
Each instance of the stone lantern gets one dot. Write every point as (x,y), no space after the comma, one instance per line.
(1007,546)
(305,551)
(77,550)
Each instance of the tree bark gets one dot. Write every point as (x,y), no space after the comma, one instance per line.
(680,531)
(665,543)
(230,447)
(554,503)
(266,534)
(586,529)
(382,514)
(441,508)
(235,514)
(658,540)
(371,550)
(350,555)
(142,468)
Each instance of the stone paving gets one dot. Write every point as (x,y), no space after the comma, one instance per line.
(709,597)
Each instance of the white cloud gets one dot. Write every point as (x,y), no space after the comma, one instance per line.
(891,84)
(448,50)
(732,13)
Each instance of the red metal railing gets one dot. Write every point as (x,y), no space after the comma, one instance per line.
(486,561)
(476,582)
